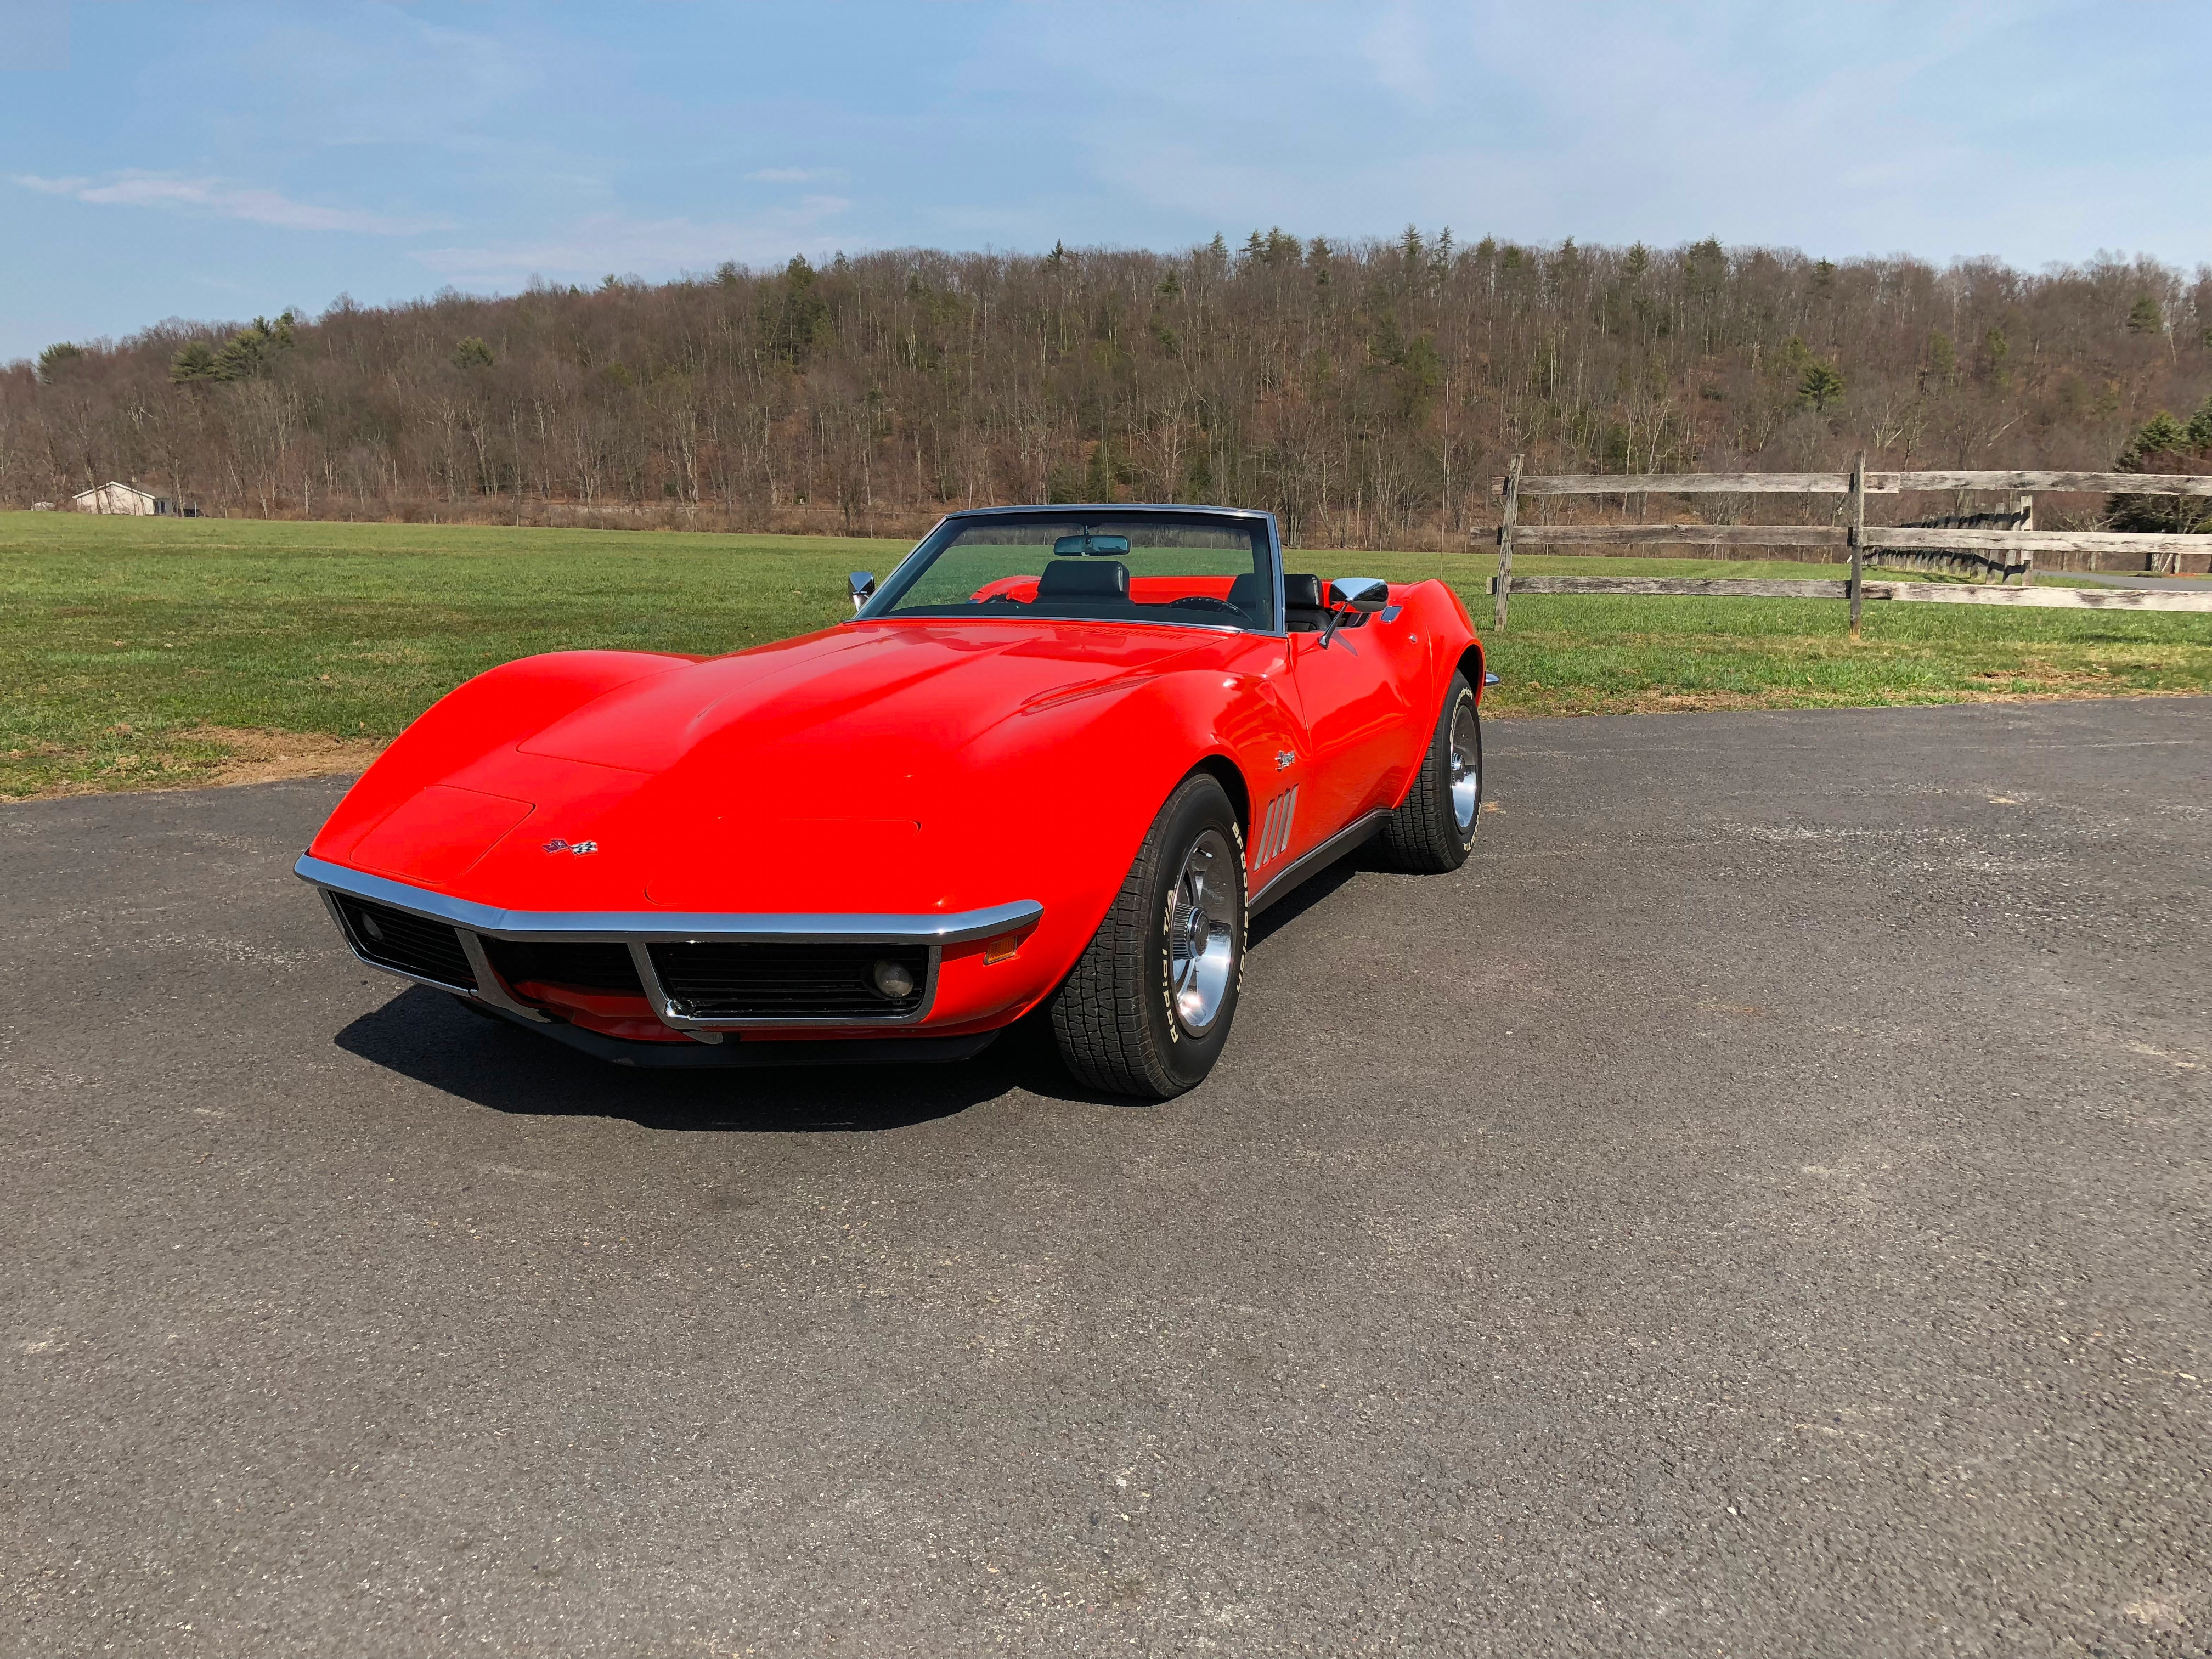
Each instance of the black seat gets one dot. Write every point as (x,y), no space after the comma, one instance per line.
(1245,595)
(1084,579)
(1303,609)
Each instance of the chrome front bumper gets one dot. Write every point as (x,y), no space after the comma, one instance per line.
(641,929)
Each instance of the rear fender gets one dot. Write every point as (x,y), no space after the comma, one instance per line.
(1471,668)
(1448,641)
(1434,611)
(1472,659)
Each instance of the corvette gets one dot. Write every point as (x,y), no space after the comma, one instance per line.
(1058,759)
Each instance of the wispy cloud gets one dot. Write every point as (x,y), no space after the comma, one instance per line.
(617,242)
(797,175)
(1677,122)
(223,199)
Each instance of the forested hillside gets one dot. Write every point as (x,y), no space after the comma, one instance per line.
(1367,392)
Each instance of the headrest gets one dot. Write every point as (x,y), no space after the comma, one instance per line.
(1302,591)
(1084,579)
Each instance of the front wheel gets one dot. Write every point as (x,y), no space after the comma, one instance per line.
(1147,1009)
(1432,832)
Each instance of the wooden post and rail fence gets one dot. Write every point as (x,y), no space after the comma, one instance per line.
(2006,552)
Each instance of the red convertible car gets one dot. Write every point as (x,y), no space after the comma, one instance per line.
(1060,756)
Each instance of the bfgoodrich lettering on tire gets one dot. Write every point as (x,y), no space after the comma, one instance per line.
(1433,830)
(1147,1009)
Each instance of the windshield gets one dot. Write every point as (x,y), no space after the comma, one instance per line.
(1199,570)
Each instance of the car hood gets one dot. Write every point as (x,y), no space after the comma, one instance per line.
(824,773)
(804,701)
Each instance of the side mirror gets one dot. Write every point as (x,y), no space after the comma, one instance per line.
(862,584)
(1367,593)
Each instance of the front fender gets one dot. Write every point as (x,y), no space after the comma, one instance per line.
(496,709)
(1071,789)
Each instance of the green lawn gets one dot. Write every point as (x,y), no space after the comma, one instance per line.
(138,651)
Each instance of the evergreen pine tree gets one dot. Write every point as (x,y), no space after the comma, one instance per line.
(195,361)
(2162,444)
(1820,386)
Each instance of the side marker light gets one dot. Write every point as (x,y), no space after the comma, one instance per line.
(1001,949)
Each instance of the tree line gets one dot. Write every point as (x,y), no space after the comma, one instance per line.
(1366,391)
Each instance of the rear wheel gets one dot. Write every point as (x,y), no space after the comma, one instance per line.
(1147,1007)
(1432,832)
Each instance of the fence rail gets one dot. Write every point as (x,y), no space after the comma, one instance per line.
(2003,552)
(1683,535)
(1839,483)
(1716,588)
(2036,541)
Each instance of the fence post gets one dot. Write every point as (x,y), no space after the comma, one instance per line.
(1512,517)
(2028,558)
(1858,534)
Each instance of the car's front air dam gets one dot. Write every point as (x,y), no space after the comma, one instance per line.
(704,979)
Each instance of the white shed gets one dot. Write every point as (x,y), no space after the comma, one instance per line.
(113,497)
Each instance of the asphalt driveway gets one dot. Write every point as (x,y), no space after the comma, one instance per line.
(1759,1207)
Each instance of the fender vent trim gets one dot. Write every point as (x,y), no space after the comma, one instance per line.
(1275,828)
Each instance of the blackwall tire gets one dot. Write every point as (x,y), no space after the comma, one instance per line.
(1434,830)
(1147,1007)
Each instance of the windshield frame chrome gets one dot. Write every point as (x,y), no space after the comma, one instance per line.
(879,607)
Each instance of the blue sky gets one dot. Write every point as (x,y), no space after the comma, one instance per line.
(215,159)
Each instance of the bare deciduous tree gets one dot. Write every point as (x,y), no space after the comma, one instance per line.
(1367,392)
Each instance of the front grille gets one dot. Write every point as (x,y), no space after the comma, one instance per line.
(788,982)
(606,968)
(394,938)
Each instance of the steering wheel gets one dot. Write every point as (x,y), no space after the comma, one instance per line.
(1203,602)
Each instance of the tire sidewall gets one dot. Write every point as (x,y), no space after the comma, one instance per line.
(1199,805)
(1459,691)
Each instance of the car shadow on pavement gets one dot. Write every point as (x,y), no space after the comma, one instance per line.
(1316,890)
(425,1035)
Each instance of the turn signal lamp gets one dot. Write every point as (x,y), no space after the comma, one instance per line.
(1001,948)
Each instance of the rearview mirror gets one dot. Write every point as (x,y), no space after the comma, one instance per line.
(862,585)
(1369,593)
(1097,547)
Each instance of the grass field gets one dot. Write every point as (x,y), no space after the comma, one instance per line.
(139,652)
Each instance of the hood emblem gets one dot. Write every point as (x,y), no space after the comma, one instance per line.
(578,849)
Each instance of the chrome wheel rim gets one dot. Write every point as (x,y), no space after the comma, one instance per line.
(1466,764)
(1204,916)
